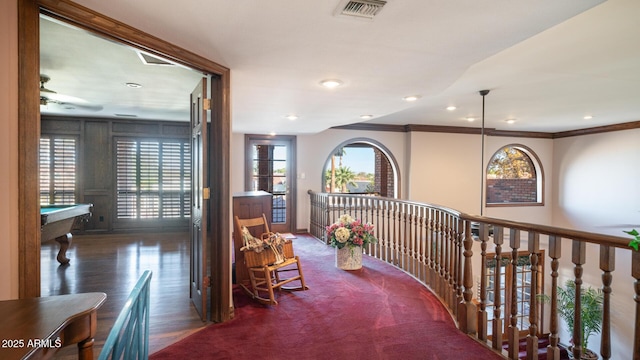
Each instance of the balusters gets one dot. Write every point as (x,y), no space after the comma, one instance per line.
(496,331)
(392,232)
(413,243)
(514,332)
(483,235)
(532,337)
(386,254)
(445,257)
(555,250)
(430,248)
(422,262)
(607,265)
(404,233)
(459,256)
(467,310)
(375,219)
(366,218)
(579,257)
(451,259)
(440,249)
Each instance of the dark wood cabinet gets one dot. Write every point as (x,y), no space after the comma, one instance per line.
(252,204)
(246,205)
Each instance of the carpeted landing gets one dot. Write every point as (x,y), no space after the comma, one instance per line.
(377,312)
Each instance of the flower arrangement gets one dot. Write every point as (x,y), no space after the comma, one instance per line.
(348,231)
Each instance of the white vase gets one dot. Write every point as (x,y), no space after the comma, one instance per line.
(349,258)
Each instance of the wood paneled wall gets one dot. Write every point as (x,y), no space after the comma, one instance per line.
(96,164)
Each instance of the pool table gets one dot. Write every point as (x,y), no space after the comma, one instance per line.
(57,221)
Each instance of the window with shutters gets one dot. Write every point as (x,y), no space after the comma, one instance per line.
(153,179)
(58,170)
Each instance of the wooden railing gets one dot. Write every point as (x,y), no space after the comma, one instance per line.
(443,248)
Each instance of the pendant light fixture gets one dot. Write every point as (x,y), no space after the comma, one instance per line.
(483,93)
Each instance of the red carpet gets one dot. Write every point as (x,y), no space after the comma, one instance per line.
(378,312)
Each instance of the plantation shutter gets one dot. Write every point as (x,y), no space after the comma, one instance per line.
(176,179)
(57,170)
(126,179)
(153,179)
(149,179)
(45,171)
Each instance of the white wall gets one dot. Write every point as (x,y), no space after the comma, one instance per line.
(597,182)
(446,170)
(9,150)
(597,189)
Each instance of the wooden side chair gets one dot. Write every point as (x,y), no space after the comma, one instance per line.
(264,275)
(129,336)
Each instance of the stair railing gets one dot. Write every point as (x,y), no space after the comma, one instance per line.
(443,248)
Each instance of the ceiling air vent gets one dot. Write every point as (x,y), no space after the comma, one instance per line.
(366,9)
(152,60)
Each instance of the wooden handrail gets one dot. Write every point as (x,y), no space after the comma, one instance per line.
(441,246)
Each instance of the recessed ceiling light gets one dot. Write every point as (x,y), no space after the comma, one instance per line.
(292,117)
(133,85)
(588,117)
(366,117)
(510,121)
(451,108)
(331,83)
(411,98)
(471,119)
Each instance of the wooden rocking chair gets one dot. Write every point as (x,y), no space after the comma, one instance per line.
(257,273)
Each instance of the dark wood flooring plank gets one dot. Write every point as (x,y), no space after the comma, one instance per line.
(112,264)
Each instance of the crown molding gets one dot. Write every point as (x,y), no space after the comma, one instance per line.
(598,129)
(489,131)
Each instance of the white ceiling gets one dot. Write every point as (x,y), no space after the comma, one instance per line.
(548,63)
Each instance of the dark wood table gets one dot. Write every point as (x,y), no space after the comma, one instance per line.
(57,221)
(36,328)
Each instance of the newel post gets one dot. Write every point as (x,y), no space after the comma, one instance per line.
(467,318)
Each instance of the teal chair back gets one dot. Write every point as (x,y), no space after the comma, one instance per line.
(129,337)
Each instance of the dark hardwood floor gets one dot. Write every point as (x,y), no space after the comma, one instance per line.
(112,264)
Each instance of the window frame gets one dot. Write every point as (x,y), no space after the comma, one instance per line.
(540,178)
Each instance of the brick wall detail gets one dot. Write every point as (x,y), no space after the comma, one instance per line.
(383,183)
(511,191)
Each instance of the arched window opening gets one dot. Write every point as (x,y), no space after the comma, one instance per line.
(514,176)
(361,167)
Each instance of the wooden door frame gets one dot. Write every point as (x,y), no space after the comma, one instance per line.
(29,134)
(291,160)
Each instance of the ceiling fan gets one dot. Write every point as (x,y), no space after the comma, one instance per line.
(48,96)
